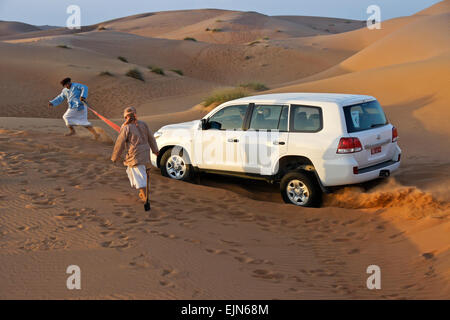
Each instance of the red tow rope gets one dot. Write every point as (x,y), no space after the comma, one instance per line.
(108,122)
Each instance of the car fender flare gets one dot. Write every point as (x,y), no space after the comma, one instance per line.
(309,167)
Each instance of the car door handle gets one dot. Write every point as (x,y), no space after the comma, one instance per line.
(233,140)
(282,143)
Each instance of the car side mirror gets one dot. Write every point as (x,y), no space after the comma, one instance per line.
(204,124)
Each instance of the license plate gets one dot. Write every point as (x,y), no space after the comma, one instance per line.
(375,150)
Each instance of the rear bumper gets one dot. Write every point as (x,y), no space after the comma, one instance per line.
(341,173)
(381,166)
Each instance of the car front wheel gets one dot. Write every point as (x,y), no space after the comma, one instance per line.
(175,164)
(300,189)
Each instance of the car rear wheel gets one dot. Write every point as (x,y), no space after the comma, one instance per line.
(300,189)
(175,164)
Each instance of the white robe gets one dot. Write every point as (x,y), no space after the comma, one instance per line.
(137,176)
(76,114)
(75,117)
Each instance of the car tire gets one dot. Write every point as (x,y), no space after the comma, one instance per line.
(300,189)
(175,164)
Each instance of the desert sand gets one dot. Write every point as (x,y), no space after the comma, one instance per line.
(62,202)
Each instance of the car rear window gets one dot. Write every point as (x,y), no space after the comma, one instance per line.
(305,118)
(364,116)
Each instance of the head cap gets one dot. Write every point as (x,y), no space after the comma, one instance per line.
(129,110)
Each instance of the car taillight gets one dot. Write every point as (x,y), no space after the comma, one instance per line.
(394,134)
(349,145)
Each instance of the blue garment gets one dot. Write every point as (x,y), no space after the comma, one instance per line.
(73,95)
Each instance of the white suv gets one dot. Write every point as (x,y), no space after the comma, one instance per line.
(308,142)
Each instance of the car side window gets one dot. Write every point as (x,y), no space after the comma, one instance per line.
(228,118)
(269,117)
(305,118)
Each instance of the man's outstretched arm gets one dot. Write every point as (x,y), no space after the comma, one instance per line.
(57,101)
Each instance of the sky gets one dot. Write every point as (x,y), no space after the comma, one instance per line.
(53,12)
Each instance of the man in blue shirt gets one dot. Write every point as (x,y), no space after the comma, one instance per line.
(76,114)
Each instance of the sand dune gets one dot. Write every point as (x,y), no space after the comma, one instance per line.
(357,40)
(415,41)
(210,25)
(8,28)
(204,67)
(325,25)
(223,26)
(438,8)
(62,202)
(83,212)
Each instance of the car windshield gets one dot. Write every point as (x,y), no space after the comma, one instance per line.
(364,116)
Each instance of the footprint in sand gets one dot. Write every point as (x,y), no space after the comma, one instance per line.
(242,252)
(140,262)
(216,251)
(193,241)
(166,283)
(169,273)
(263,224)
(312,220)
(121,214)
(231,243)
(396,235)
(349,222)
(169,236)
(248,260)
(43,202)
(341,240)
(187,225)
(132,221)
(160,224)
(296,278)
(73,227)
(340,289)
(49,243)
(408,286)
(226,224)
(116,244)
(267,274)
